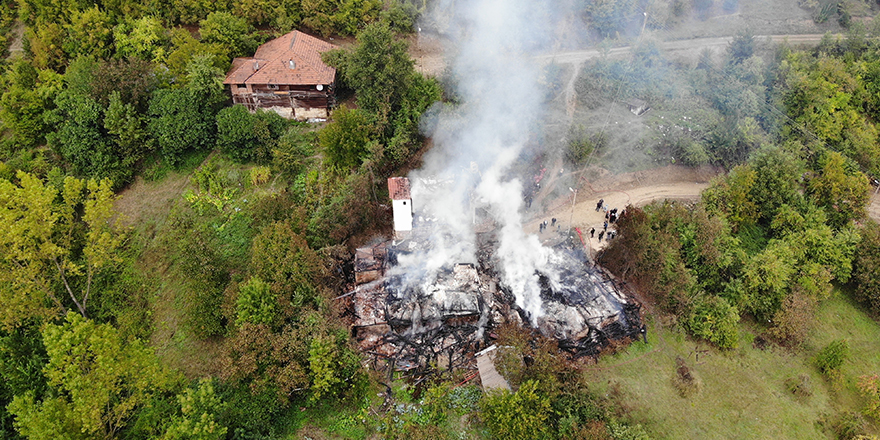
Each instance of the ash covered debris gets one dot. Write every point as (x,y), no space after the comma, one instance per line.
(444,318)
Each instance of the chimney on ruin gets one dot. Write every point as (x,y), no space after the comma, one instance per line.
(401,205)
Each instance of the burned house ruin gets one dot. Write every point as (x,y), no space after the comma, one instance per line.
(443,317)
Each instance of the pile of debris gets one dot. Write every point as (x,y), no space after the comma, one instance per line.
(443,321)
(413,317)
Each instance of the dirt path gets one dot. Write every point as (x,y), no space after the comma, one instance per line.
(874,206)
(429,54)
(637,188)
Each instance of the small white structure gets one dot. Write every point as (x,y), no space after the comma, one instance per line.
(401,204)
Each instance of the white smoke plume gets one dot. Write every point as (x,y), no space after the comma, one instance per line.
(495,78)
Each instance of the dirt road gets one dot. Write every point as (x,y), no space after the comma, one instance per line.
(638,188)
(874,206)
(574,57)
(429,54)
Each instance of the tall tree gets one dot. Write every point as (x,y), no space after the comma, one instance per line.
(232,33)
(866,266)
(198,421)
(144,38)
(184,119)
(843,194)
(90,32)
(100,381)
(54,245)
(379,69)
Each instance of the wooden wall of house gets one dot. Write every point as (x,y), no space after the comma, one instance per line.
(305,96)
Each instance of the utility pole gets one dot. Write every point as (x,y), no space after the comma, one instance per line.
(573,200)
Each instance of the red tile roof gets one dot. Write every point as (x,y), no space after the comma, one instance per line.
(293,58)
(398,188)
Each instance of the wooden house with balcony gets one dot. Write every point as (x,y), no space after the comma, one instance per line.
(285,75)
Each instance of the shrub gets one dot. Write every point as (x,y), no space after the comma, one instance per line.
(831,357)
(869,386)
(256,303)
(260,175)
(849,425)
(793,322)
(581,145)
(205,278)
(521,415)
(715,320)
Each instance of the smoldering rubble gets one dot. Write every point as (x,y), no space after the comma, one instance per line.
(445,319)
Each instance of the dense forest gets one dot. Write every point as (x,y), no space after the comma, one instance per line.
(212,313)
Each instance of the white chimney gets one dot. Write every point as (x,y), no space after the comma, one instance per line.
(401,204)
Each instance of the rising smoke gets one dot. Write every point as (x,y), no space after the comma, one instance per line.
(496,80)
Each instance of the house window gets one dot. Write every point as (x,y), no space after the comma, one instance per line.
(242,86)
(273,86)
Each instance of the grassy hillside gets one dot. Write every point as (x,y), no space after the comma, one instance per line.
(742,393)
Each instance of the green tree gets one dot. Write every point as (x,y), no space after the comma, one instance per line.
(281,257)
(66,238)
(517,416)
(134,79)
(198,421)
(777,180)
(90,32)
(144,38)
(256,304)
(50,419)
(813,241)
(346,141)
(45,44)
(741,47)
(244,136)
(81,141)
(185,47)
(608,17)
(266,361)
(766,278)
(182,121)
(232,33)
(731,195)
(27,95)
(866,266)
(378,68)
(716,321)
(126,129)
(22,357)
(843,194)
(391,95)
(100,379)
(339,16)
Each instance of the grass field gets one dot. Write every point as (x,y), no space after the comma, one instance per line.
(742,393)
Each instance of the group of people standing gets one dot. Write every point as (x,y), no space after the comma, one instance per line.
(543,225)
(611,217)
